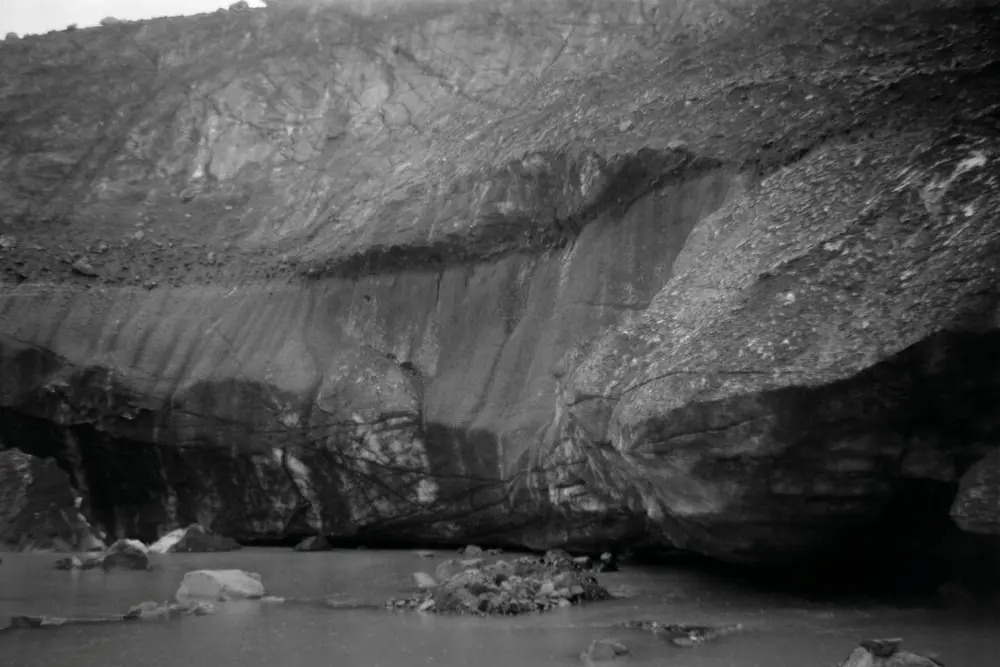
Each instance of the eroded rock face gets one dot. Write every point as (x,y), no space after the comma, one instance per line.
(802,348)
(977,506)
(521,586)
(734,315)
(39,508)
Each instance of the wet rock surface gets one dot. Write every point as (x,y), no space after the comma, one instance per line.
(39,508)
(220,585)
(126,554)
(733,313)
(193,539)
(886,653)
(314,543)
(977,506)
(503,588)
(161,611)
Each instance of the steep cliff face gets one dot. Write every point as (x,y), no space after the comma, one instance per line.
(724,281)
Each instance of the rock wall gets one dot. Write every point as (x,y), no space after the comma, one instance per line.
(39,507)
(731,289)
(347,404)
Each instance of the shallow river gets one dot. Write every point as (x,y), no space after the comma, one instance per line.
(781,631)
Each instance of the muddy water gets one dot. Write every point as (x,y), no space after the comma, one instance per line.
(781,630)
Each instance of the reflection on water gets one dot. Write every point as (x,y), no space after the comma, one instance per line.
(781,630)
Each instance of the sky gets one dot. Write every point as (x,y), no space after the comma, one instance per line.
(34,16)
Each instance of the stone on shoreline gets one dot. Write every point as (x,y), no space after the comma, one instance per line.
(193,539)
(220,585)
(126,554)
(504,587)
(886,653)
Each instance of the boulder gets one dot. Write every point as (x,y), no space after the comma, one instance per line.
(976,508)
(684,636)
(39,509)
(472,550)
(91,561)
(220,585)
(193,539)
(746,409)
(424,580)
(886,653)
(314,543)
(126,554)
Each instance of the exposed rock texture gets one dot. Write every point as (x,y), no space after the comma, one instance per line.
(314,543)
(38,507)
(523,585)
(977,506)
(886,653)
(220,585)
(547,275)
(126,554)
(193,539)
(684,636)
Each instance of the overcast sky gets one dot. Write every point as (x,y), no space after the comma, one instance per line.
(31,16)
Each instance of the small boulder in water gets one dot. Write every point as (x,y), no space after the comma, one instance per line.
(886,653)
(193,539)
(472,550)
(127,555)
(220,585)
(314,543)
(91,561)
(69,563)
(604,650)
(156,611)
(423,580)
(425,554)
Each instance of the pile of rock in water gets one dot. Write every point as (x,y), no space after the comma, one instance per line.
(504,587)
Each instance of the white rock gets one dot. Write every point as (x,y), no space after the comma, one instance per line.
(162,545)
(220,585)
(424,580)
(135,544)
